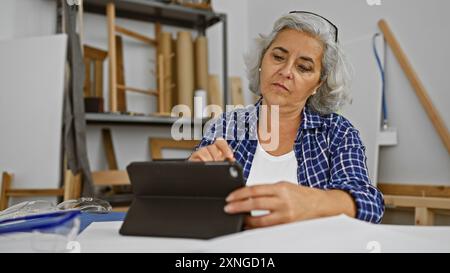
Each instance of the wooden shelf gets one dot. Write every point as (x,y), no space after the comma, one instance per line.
(172,15)
(152,11)
(121,119)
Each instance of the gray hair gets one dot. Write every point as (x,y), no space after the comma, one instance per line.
(334,92)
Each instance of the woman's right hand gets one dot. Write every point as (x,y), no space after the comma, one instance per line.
(218,151)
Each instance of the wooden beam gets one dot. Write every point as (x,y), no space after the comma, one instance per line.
(419,88)
(204,6)
(424,217)
(108,146)
(72,185)
(414,190)
(34,192)
(139,90)
(6,185)
(111,14)
(120,209)
(94,53)
(121,94)
(157,144)
(237,95)
(161,86)
(415,201)
(136,35)
(98,79)
(110,178)
(87,92)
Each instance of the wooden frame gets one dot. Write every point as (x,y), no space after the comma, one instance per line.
(114,178)
(205,5)
(420,200)
(414,190)
(157,144)
(426,200)
(97,56)
(108,146)
(424,207)
(110,178)
(116,102)
(419,88)
(71,189)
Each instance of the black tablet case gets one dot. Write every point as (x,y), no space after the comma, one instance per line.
(182,199)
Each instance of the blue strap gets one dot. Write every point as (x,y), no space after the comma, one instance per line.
(37,221)
(381,68)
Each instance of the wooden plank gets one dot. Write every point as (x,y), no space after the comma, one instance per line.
(414,190)
(98,74)
(120,209)
(108,146)
(34,192)
(136,35)
(139,90)
(214,93)
(415,201)
(237,96)
(94,53)
(419,88)
(161,85)
(110,178)
(157,144)
(6,185)
(87,78)
(424,217)
(201,63)
(72,186)
(174,71)
(120,70)
(165,48)
(201,5)
(111,14)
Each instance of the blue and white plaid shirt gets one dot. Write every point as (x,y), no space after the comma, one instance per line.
(329,152)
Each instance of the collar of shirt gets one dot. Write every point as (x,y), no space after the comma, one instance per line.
(310,119)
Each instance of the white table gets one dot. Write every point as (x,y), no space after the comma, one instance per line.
(333,234)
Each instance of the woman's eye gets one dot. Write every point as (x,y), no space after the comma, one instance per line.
(303,68)
(278,58)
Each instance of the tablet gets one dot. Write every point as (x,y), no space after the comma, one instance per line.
(182,199)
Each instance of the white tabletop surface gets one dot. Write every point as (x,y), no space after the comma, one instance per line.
(333,234)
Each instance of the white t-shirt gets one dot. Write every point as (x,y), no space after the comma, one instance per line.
(269,169)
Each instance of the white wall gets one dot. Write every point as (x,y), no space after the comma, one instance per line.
(24,18)
(423,33)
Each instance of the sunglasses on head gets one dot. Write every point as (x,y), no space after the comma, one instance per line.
(315,14)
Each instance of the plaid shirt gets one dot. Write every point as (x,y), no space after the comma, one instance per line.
(329,152)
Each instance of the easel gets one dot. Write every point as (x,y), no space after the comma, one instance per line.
(117,90)
(423,205)
(70,190)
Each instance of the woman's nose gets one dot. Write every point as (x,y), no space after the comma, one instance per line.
(286,71)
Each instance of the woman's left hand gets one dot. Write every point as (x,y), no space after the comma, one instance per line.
(286,202)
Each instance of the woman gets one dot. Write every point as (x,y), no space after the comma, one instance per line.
(317,166)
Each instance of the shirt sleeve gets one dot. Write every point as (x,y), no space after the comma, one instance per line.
(349,173)
(210,133)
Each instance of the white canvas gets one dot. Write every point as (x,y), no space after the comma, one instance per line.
(31,107)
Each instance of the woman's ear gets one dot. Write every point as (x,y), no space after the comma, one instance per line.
(318,86)
(315,89)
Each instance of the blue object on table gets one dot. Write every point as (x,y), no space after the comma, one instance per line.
(87,218)
(41,221)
